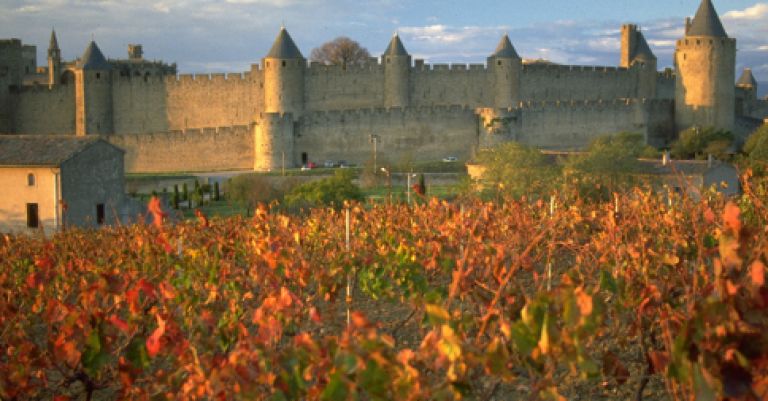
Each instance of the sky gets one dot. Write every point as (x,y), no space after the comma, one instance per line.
(205,36)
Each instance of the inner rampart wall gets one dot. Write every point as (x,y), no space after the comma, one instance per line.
(40,110)
(329,87)
(207,149)
(139,104)
(217,100)
(445,85)
(401,134)
(565,82)
(573,125)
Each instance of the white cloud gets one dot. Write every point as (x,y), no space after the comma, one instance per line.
(757,12)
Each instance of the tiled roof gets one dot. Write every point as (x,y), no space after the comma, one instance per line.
(395,47)
(706,22)
(41,150)
(505,49)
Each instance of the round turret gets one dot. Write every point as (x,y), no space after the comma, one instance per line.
(706,61)
(284,77)
(506,66)
(93,94)
(397,71)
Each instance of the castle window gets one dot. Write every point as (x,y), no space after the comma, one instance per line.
(498,62)
(30,180)
(267,63)
(387,60)
(711,41)
(698,42)
(283,63)
(100,214)
(98,75)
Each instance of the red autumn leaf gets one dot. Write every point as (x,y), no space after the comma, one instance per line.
(659,361)
(201,217)
(156,210)
(162,241)
(153,341)
(314,315)
(119,323)
(61,398)
(613,367)
(147,288)
(709,216)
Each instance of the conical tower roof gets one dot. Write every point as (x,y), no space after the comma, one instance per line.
(747,79)
(395,47)
(707,22)
(505,49)
(54,43)
(642,50)
(284,47)
(93,59)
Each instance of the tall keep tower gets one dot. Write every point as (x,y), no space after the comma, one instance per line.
(284,76)
(705,60)
(635,53)
(54,60)
(93,93)
(397,72)
(506,65)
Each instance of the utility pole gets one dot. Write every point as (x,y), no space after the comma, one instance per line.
(374,139)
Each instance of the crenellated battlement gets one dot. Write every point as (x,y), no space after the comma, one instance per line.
(205,79)
(598,104)
(189,132)
(41,88)
(318,68)
(530,68)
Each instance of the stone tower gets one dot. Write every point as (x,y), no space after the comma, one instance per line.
(635,53)
(705,60)
(397,71)
(506,66)
(284,68)
(93,93)
(54,60)
(11,78)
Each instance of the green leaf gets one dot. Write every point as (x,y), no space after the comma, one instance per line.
(374,380)
(93,357)
(704,392)
(137,353)
(336,389)
(525,340)
(607,282)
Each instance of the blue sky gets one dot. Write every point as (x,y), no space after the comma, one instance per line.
(229,35)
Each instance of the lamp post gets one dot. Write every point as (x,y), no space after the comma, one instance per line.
(389,183)
(374,139)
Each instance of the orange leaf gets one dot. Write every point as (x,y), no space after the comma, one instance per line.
(757,273)
(153,341)
(156,210)
(709,216)
(584,301)
(731,217)
(314,315)
(659,361)
(167,290)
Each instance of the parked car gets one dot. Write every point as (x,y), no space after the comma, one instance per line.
(342,164)
(329,164)
(450,159)
(308,166)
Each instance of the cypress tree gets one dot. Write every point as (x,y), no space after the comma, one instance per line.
(216,193)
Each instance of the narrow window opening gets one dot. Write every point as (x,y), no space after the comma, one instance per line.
(30,180)
(498,62)
(283,63)
(304,158)
(33,218)
(98,75)
(100,214)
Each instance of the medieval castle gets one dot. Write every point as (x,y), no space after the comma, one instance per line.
(285,111)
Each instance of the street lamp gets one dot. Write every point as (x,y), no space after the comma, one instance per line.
(374,139)
(389,183)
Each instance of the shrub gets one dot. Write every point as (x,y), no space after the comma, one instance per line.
(329,191)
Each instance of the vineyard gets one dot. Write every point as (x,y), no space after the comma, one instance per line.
(645,297)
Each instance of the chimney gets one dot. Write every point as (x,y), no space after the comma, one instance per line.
(665,158)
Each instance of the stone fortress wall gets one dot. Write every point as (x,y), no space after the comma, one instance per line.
(293,111)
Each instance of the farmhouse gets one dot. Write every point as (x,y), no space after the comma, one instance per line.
(50,182)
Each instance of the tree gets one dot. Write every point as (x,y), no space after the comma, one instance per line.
(607,164)
(697,143)
(341,51)
(516,169)
(756,150)
(334,190)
